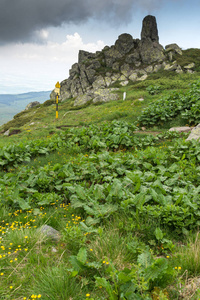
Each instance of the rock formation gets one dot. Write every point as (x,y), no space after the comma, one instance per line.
(91,79)
(32,104)
(149,29)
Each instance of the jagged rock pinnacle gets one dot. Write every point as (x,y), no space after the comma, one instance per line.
(128,60)
(149,29)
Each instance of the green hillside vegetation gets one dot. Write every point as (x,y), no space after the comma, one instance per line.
(124,198)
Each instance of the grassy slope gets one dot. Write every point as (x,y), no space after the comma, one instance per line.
(27,256)
(41,120)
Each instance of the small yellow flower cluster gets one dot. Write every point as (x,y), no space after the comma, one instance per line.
(177,268)
(16,225)
(75,220)
(33,297)
(65,206)
(105,262)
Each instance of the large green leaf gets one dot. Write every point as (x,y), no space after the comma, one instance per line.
(82,255)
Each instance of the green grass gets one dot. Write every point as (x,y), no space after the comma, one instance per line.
(40,122)
(102,254)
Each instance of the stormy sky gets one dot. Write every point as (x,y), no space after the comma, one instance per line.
(40,39)
(21,19)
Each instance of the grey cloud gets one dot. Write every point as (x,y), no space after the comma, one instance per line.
(20,19)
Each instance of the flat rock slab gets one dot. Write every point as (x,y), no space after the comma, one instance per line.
(181,129)
(195,133)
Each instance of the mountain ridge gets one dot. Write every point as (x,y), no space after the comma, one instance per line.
(11,104)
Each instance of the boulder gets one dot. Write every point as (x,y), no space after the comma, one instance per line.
(105,95)
(50,232)
(115,77)
(190,66)
(111,56)
(149,69)
(133,57)
(83,99)
(141,72)
(124,43)
(7,133)
(90,75)
(179,70)
(126,70)
(171,67)
(108,81)
(142,78)
(195,133)
(76,88)
(99,82)
(116,66)
(181,129)
(151,52)
(32,104)
(124,83)
(174,48)
(122,78)
(149,29)
(133,77)
(156,68)
(190,71)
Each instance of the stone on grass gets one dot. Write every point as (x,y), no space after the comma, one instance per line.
(181,129)
(124,83)
(174,48)
(195,133)
(7,133)
(50,232)
(190,66)
(32,104)
(142,78)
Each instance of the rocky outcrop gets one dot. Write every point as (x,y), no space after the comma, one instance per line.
(195,134)
(32,104)
(149,29)
(128,60)
(171,50)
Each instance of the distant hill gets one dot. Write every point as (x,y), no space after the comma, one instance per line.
(11,104)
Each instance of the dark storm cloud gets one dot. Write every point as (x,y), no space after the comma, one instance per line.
(20,19)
